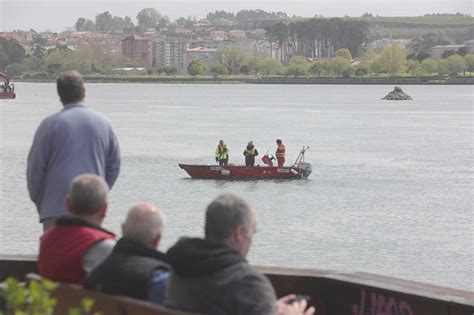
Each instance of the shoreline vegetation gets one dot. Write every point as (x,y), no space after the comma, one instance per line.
(408,80)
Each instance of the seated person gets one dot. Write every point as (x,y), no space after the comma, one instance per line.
(76,244)
(212,276)
(135,268)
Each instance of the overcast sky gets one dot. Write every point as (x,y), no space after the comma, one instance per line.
(57,15)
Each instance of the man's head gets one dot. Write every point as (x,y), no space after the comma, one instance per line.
(70,87)
(230,219)
(145,224)
(221,142)
(87,197)
(279,141)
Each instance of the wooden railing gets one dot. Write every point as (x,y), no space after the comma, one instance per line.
(332,293)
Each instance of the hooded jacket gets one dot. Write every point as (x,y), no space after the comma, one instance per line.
(209,277)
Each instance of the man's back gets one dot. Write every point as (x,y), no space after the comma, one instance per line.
(63,247)
(211,278)
(129,271)
(73,141)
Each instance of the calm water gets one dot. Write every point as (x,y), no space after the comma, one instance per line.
(391,192)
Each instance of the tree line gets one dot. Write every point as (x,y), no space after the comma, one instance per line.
(317,38)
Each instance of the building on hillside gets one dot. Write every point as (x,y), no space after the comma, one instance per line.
(137,48)
(169,52)
(217,35)
(437,51)
(237,34)
(204,55)
(469,45)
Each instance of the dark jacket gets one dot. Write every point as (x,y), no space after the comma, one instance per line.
(209,277)
(128,270)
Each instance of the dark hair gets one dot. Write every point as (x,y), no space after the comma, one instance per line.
(279,141)
(224,214)
(88,193)
(70,87)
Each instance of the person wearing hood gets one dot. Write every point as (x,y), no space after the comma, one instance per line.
(135,268)
(212,276)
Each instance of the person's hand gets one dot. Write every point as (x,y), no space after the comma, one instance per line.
(288,305)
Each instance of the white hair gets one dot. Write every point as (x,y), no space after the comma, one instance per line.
(144,223)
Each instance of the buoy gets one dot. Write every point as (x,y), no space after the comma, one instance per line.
(293,171)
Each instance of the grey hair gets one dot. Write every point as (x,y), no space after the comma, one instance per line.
(143,223)
(88,193)
(224,214)
(70,87)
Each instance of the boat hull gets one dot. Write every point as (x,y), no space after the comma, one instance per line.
(4,95)
(240,172)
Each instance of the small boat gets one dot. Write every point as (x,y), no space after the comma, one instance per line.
(7,95)
(300,169)
(7,90)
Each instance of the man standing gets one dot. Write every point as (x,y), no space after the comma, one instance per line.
(250,153)
(212,276)
(222,153)
(135,268)
(76,244)
(280,153)
(74,141)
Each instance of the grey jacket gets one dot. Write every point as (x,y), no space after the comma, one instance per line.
(211,278)
(74,141)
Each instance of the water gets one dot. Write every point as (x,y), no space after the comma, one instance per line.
(391,192)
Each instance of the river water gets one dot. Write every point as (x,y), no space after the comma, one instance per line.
(391,192)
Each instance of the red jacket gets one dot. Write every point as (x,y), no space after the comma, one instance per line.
(62,248)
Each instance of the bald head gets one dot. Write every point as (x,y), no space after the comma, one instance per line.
(144,224)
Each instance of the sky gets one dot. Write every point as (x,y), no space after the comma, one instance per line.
(57,15)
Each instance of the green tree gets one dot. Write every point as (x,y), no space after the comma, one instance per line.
(298,66)
(412,65)
(265,65)
(344,53)
(429,66)
(196,67)
(455,64)
(81,22)
(219,69)
(392,59)
(362,69)
(469,62)
(318,67)
(104,22)
(442,67)
(10,52)
(233,57)
(341,66)
(16,69)
(168,70)
(148,18)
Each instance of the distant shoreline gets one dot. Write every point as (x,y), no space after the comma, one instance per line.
(278,80)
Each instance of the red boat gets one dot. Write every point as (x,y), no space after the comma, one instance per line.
(7,90)
(300,169)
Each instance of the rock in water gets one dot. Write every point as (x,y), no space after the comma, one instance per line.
(397,95)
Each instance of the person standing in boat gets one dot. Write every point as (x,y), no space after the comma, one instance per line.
(222,153)
(280,153)
(250,153)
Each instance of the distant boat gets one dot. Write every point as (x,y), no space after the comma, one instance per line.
(7,90)
(300,169)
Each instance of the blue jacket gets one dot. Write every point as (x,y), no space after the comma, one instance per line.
(74,141)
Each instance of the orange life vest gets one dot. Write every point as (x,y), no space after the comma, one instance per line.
(280,152)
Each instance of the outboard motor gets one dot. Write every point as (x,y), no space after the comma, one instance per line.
(305,169)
